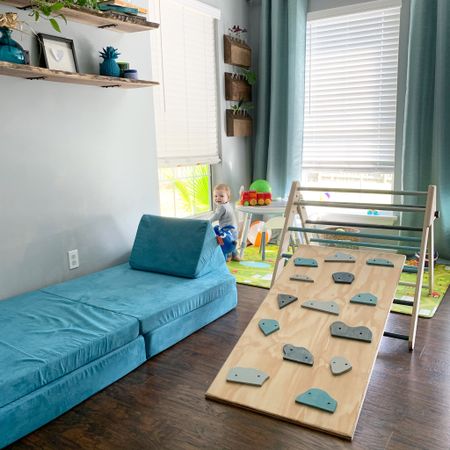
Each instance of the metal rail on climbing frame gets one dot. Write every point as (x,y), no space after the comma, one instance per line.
(424,244)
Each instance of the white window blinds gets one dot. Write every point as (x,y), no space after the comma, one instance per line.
(184,61)
(350,91)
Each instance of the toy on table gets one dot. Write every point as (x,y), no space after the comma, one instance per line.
(225,239)
(259,194)
(255,233)
(248,198)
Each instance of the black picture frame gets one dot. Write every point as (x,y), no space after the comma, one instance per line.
(57,53)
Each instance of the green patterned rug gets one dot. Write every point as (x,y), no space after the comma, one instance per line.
(255,272)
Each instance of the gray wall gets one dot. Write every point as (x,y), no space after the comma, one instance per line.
(77,165)
(235,168)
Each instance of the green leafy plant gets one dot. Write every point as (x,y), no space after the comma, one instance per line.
(249,76)
(241,108)
(51,10)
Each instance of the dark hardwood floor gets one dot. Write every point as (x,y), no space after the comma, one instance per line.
(162,405)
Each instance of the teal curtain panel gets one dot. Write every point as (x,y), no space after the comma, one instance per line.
(426,135)
(277,145)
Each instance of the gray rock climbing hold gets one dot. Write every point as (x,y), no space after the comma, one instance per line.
(339,365)
(317,398)
(268,326)
(341,257)
(324,306)
(302,278)
(340,329)
(285,299)
(247,375)
(305,262)
(298,354)
(365,298)
(343,277)
(380,262)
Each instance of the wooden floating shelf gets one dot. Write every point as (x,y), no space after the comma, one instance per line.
(110,20)
(40,73)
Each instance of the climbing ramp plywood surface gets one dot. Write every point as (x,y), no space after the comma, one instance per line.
(308,328)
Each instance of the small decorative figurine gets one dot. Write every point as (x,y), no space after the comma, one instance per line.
(109,66)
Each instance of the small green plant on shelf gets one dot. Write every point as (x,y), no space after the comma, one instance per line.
(241,108)
(47,10)
(51,11)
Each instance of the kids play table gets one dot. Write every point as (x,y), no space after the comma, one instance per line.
(276,208)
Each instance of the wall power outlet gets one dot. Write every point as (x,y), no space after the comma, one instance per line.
(74,262)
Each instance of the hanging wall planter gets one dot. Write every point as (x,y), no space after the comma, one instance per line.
(239,123)
(237,88)
(236,52)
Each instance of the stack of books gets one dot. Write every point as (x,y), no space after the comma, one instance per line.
(122,7)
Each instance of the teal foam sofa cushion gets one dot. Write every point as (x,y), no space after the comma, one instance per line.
(35,409)
(181,247)
(152,298)
(44,337)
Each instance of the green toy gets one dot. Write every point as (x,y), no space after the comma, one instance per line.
(260,186)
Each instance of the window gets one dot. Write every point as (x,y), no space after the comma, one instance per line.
(184,60)
(350,100)
(185,191)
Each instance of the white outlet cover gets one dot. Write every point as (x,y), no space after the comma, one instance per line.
(74,262)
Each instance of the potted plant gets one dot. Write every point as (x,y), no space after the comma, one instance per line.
(51,11)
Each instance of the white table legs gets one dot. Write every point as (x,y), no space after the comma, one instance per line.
(247,222)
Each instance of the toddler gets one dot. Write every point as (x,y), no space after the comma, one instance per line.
(224,213)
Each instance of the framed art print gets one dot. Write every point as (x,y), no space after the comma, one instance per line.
(58,53)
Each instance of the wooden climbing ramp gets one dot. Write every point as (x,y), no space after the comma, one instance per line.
(292,332)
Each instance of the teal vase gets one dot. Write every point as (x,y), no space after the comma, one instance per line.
(10,50)
(109,68)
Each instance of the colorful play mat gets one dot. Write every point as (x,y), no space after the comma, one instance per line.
(255,272)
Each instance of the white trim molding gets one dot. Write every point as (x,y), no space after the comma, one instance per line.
(352,9)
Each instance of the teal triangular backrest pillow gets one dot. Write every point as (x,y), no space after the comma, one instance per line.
(181,247)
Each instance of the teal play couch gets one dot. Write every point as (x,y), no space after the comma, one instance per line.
(63,343)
